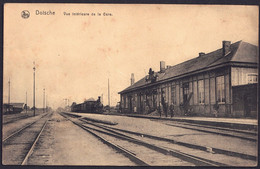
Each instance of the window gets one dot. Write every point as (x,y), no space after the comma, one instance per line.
(201,91)
(220,89)
(135,99)
(163,94)
(173,94)
(252,78)
(169,94)
(130,103)
(154,99)
(140,102)
(195,96)
(149,100)
(126,102)
(122,101)
(185,92)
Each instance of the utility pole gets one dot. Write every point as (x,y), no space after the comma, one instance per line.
(34,88)
(46,103)
(68,108)
(43,107)
(65,103)
(26,103)
(102,98)
(9,95)
(108,96)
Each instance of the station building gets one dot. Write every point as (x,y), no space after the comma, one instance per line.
(221,83)
(13,108)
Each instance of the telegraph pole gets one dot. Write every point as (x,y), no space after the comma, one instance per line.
(9,95)
(102,99)
(34,88)
(26,103)
(108,96)
(9,91)
(43,107)
(65,103)
(46,104)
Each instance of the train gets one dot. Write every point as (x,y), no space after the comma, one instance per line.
(88,107)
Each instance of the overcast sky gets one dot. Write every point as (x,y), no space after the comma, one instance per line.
(75,55)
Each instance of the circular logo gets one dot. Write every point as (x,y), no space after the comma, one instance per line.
(25,14)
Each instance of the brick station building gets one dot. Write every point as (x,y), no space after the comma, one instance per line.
(221,83)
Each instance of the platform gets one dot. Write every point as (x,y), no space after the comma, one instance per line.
(236,123)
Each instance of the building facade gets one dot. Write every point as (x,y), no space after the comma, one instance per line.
(213,84)
(13,108)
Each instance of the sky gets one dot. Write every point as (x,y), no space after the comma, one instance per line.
(76,55)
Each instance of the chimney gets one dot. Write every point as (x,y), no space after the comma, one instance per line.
(132,80)
(201,54)
(226,47)
(162,66)
(168,66)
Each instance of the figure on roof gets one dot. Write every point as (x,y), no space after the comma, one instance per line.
(151,77)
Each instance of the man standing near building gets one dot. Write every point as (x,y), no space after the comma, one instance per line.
(165,106)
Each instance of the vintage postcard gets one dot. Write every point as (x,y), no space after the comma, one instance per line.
(130,85)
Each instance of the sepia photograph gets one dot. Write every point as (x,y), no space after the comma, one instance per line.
(130,85)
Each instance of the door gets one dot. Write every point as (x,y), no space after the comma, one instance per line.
(247,105)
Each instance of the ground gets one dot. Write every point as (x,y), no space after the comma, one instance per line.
(63,143)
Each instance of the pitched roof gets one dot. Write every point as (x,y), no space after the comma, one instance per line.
(237,53)
(18,105)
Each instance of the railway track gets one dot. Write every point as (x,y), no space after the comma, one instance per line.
(139,146)
(241,134)
(18,146)
(182,144)
(190,145)
(21,129)
(17,117)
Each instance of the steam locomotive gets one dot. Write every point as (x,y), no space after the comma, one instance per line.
(88,107)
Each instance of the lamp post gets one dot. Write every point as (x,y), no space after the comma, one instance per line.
(34,88)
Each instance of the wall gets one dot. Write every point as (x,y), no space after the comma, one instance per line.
(240,75)
(245,101)
(208,94)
